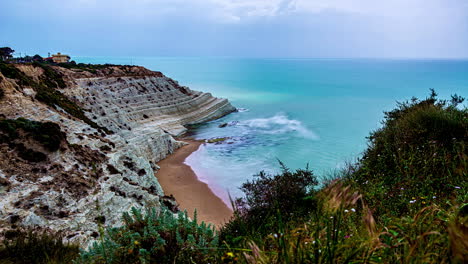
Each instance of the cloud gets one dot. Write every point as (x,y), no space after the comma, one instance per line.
(311,28)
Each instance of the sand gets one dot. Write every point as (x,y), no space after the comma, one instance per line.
(179,179)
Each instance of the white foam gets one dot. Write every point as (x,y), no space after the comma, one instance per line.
(280,124)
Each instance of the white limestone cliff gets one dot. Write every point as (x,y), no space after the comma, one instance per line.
(94,177)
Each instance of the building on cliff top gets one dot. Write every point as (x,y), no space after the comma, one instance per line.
(60,58)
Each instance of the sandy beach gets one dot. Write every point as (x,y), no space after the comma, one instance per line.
(179,179)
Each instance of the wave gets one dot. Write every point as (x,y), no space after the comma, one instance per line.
(240,110)
(279,124)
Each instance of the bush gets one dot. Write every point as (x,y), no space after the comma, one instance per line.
(343,231)
(155,237)
(36,247)
(271,201)
(48,134)
(417,157)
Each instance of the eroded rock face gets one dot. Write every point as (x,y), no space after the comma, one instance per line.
(95,176)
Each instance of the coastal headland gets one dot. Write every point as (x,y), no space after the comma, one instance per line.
(81,144)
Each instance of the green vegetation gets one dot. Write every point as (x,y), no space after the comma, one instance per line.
(48,134)
(36,247)
(267,200)
(92,68)
(46,89)
(155,237)
(6,53)
(418,157)
(404,201)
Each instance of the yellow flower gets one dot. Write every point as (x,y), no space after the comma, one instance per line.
(423,202)
(136,243)
(230,254)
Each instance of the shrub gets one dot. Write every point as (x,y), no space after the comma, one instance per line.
(35,247)
(343,231)
(155,237)
(271,201)
(48,134)
(417,157)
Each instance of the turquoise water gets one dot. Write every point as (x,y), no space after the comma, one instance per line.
(299,111)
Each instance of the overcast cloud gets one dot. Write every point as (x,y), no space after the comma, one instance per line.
(247,28)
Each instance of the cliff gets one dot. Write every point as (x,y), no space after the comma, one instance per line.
(87,148)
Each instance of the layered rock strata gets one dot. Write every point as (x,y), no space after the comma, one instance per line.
(94,176)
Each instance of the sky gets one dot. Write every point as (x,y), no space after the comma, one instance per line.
(238,28)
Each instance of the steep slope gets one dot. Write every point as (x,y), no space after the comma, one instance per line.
(117,122)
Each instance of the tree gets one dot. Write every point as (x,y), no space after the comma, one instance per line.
(37,58)
(6,53)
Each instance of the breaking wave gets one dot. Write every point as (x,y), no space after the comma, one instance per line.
(279,124)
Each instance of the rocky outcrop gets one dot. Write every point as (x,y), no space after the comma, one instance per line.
(98,172)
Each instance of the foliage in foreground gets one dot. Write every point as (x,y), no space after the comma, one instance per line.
(35,247)
(419,157)
(155,237)
(289,195)
(401,203)
(344,231)
(405,201)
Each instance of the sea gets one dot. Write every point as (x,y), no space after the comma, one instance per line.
(314,113)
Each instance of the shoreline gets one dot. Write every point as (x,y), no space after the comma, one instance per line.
(178,179)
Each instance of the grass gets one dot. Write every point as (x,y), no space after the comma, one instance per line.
(29,246)
(419,153)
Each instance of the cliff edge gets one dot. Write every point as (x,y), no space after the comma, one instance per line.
(80,144)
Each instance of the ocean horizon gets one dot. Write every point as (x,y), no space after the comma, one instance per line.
(302,112)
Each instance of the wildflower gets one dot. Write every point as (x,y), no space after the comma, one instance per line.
(457,187)
(423,202)
(346,210)
(433,197)
(354,210)
(402,188)
(412,201)
(230,254)
(136,243)
(347,236)
(275,235)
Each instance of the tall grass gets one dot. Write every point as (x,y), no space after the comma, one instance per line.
(30,246)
